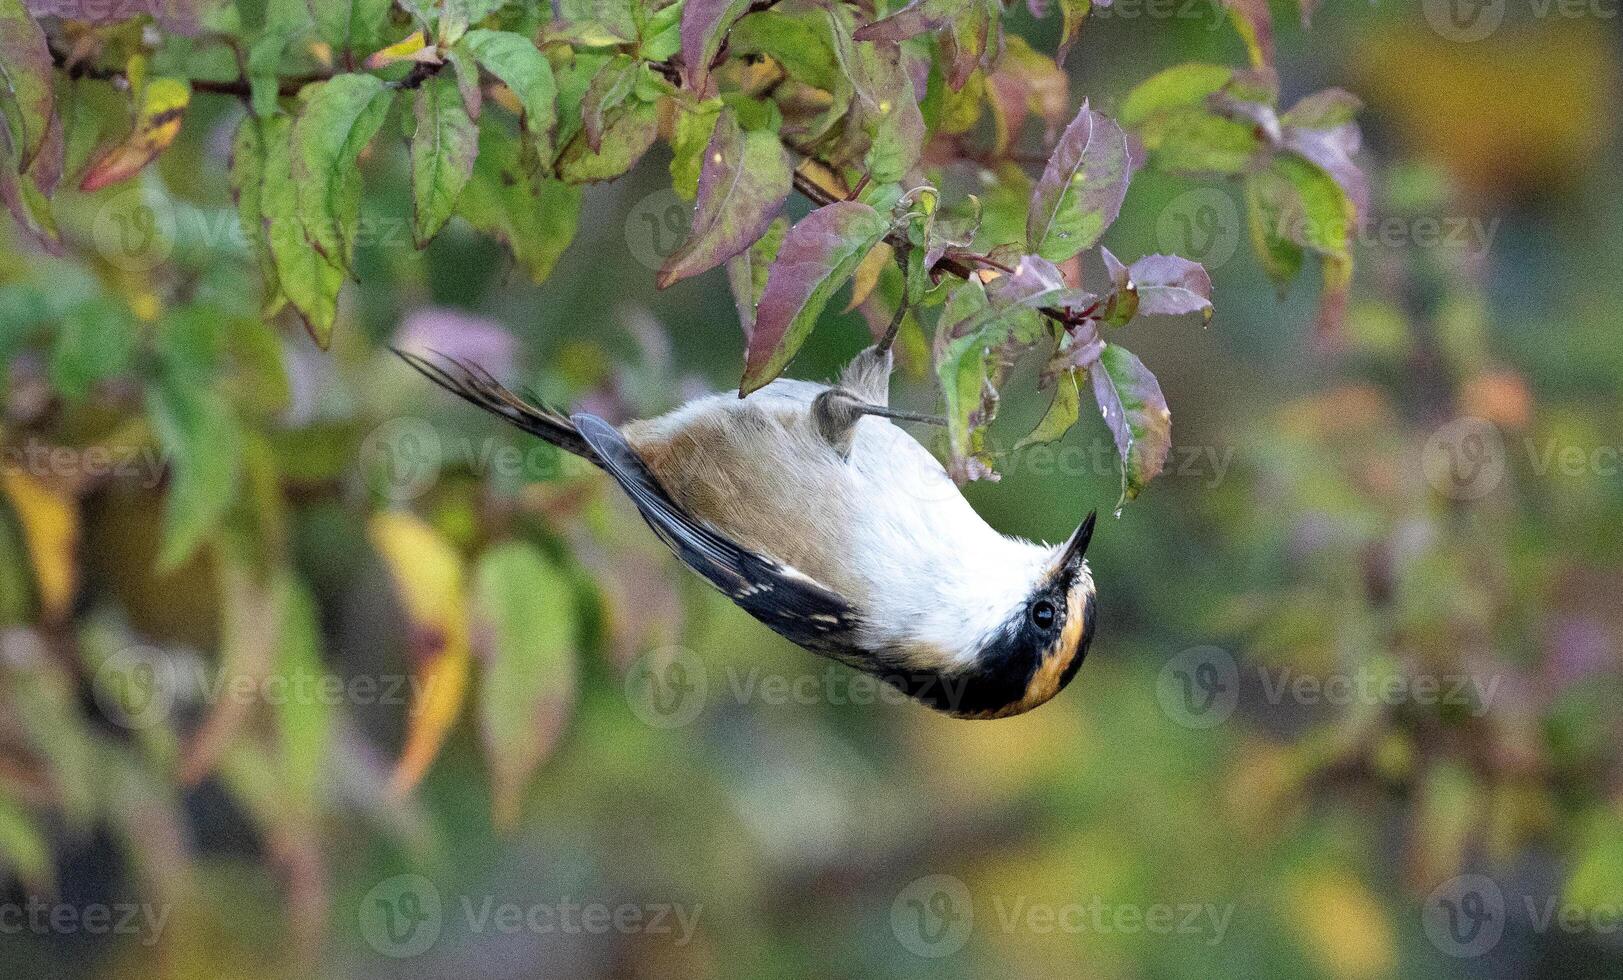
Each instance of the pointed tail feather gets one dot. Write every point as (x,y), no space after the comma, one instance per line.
(474,384)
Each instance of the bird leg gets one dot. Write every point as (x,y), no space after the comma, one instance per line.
(864,389)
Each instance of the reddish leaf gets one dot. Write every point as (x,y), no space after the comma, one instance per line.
(1081,190)
(919,17)
(1137,415)
(817,256)
(1256,26)
(1170,285)
(704,26)
(744,181)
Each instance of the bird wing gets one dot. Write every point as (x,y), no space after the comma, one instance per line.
(792,603)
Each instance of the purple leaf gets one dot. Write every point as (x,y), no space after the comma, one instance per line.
(1081,190)
(1331,151)
(1170,285)
(1137,415)
(919,17)
(704,26)
(744,181)
(817,256)
(608,89)
(1325,109)
(25,76)
(1256,27)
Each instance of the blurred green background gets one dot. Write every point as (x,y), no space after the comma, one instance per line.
(1354,710)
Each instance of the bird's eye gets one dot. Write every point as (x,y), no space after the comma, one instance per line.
(1042,614)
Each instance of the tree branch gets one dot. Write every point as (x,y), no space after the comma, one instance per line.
(949,264)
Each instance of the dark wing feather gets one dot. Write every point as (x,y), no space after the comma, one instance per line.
(474,384)
(790,602)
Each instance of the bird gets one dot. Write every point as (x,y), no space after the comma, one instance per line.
(812,510)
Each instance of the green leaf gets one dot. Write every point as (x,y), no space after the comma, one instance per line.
(609,89)
(350,25)
(525,627)
(304,717)
(690,135)
(1136,413)
(514,60)
(443,148)
(1062,413)
(247,175)
(1320,216)
(746,272)
(310,281)
(1267,206)
(339,117)
(745,180)
(627,134)
(198,432)
(534,215)
(27,101)
(93,344)
(1072,14)
(24,849)
(1081,190)
(817,256)
(1180,87)
(966,385)
(888,114)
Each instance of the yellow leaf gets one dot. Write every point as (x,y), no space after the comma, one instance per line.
(50,525)
(414,47)
(428,579)
(157,122)
(868,273)
(1341,924)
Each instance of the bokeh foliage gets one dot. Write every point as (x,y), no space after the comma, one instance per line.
(216,480)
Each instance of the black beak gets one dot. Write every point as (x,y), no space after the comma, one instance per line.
(1077,548)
